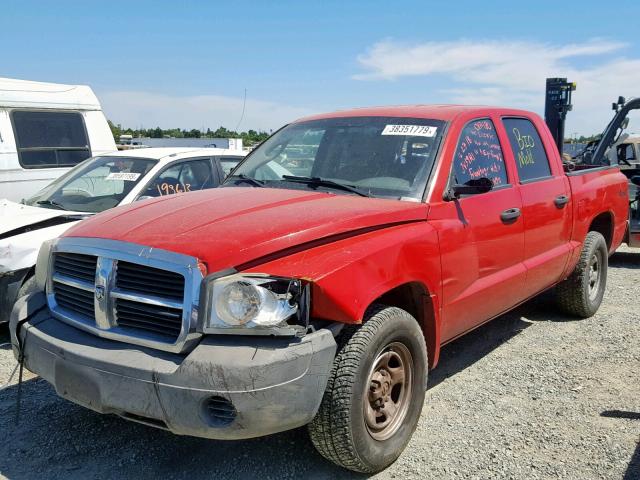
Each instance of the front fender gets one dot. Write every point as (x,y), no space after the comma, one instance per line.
(350,274)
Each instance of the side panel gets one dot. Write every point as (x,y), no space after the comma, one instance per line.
(593,193)
(17,183)
(100,136)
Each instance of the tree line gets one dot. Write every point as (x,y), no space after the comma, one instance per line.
(249,137)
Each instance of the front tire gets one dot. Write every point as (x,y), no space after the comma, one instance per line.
(581,293)
(375,392)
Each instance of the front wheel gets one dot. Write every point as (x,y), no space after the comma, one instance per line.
(582,292)
(375,392)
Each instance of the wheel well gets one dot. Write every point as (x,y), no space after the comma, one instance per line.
(414,298)
(603,224)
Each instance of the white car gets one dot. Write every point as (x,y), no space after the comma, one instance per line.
(95,185)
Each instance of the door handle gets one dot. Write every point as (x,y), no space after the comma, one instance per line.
(510,215)
(561,201)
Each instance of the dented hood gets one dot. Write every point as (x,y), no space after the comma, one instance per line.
(228,227)
(14,217)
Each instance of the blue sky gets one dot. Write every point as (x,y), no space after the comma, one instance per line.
(187,64)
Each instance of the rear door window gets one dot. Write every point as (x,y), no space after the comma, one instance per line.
(228,163)
(528,150)
(479,155)
(50,139)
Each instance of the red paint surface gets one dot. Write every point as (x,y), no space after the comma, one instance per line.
(472,266)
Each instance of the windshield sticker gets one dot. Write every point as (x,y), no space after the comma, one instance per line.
(127,177)
(412,130)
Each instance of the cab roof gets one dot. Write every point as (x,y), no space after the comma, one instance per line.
(436,112)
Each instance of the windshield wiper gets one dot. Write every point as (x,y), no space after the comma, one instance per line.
(324,182)
(51,203)
(246,178)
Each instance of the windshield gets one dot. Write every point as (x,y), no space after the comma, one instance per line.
(388,157)
(95,185)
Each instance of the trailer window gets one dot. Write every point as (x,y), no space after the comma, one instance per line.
(50,139)
(528,150)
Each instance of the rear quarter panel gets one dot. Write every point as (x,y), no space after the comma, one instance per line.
(595,192)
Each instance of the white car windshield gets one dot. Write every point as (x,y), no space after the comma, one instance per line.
(95,185)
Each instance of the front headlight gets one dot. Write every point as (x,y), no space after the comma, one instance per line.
(256,304)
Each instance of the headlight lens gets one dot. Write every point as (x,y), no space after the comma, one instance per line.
(251,302)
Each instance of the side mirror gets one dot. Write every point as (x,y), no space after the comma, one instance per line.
(636,180)
(472,187)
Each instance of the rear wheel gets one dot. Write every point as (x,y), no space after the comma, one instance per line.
(375,392)
(582,292)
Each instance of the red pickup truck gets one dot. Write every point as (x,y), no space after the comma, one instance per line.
(318,285)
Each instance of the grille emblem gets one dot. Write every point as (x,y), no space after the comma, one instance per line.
(99,292)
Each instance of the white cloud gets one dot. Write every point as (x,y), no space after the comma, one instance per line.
(134,109)
(513,73)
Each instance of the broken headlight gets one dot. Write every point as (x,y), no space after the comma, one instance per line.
(255,304)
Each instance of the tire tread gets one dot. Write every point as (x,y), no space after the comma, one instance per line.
(330,430)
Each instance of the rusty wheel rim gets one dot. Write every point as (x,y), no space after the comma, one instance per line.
(387,393)
(594,276)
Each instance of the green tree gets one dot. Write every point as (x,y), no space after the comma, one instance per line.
(116,130)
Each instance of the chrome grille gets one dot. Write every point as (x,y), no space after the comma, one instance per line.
(74,299)
(149,281)
(125,292)
(82,267)
(153,318)
(153,301)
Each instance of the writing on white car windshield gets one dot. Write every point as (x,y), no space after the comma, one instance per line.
(95,185)
(387,157)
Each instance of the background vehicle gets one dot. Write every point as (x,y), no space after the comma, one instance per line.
(320,298)
(614,147)
(93,186)
(46,128)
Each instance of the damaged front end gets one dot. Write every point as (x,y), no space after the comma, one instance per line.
(244,366)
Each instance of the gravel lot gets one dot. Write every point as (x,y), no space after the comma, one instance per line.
(530,395)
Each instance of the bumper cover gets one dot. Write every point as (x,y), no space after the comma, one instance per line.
(274,384)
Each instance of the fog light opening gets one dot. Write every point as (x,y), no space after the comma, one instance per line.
(219,412)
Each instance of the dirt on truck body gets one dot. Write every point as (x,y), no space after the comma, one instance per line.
(318,291)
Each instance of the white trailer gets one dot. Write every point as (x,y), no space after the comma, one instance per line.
(45,129)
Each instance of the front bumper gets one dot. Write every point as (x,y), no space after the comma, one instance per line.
(10,283)
(273,384)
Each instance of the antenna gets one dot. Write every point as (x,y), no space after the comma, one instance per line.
(244,104)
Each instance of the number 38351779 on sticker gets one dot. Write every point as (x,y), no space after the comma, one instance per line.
(414,130)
